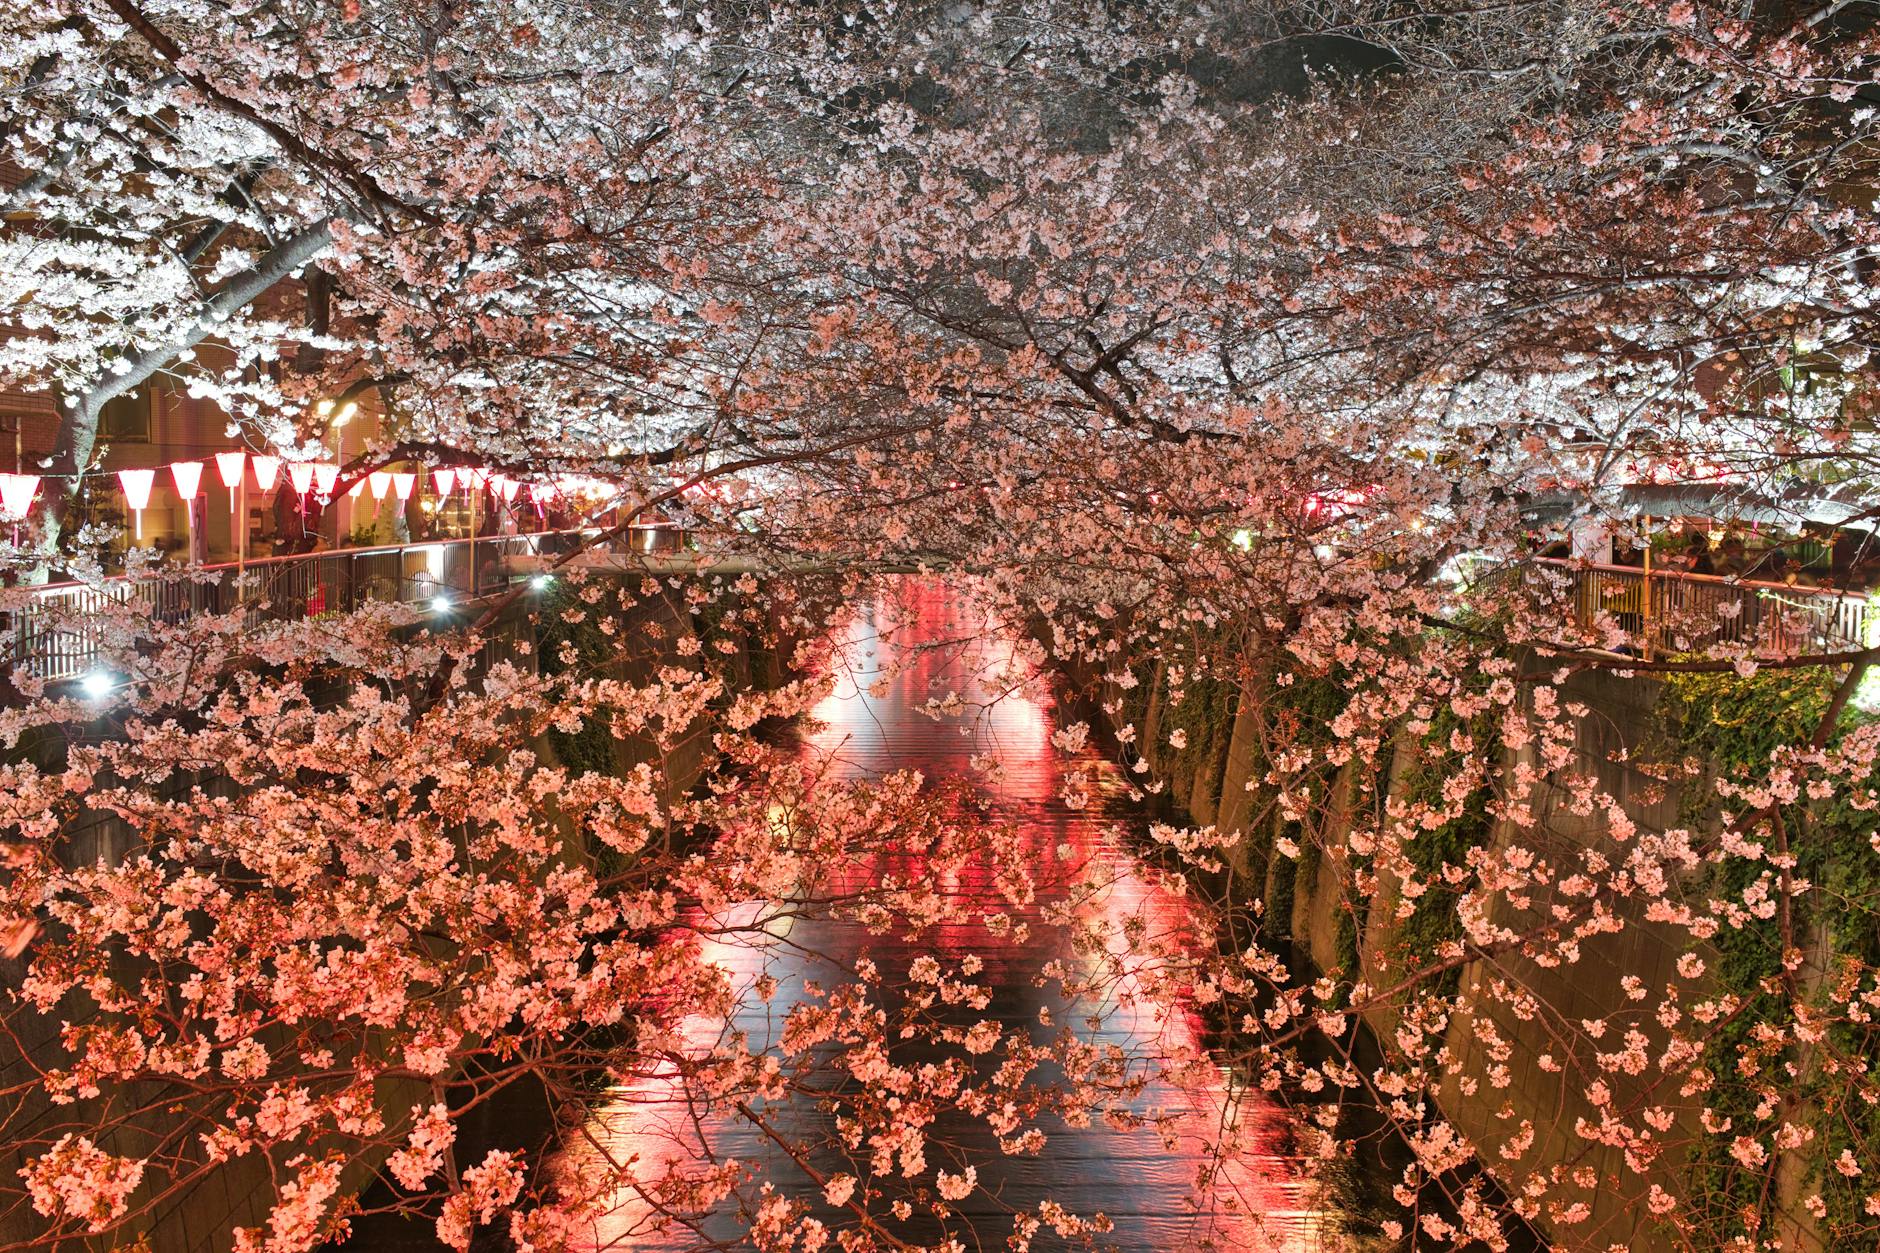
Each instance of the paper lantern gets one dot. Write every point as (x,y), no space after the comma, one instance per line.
(229,466)
(324,476)
(402,485)
(444,480)
(137,485)
(266,469)
(188,476)
(16,495)
(381,483)
(506,487)
(359,485)
(300,474)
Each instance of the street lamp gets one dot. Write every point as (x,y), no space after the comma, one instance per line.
(337,414)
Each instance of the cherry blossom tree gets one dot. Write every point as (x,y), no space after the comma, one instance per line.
(1221,384)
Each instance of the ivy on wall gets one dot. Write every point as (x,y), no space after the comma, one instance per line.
(1419,939)
(563,646)
(1299,713)
(1709,724)
(1734,725)
(1204,714)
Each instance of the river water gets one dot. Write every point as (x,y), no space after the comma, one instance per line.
(900,653)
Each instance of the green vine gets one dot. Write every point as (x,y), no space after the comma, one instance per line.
(1436,922)
(1735,725)
(1206,716)
(1301,713)
(580,647)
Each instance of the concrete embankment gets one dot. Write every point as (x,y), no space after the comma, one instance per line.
(1509,1077)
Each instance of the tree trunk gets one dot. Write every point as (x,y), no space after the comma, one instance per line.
(77,439)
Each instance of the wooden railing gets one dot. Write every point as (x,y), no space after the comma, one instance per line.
(1673,611)
(59,630)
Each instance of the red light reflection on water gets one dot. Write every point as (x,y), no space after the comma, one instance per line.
(897,657)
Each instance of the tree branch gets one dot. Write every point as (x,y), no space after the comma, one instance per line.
(369,189)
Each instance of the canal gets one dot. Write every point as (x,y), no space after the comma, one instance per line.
(923,683)
(900,655)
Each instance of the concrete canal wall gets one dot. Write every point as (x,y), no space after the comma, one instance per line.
(1504,1072)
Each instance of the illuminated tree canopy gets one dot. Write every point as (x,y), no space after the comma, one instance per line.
(1248,354)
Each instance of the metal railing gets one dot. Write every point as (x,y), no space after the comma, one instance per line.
(60,630)
(1675,611)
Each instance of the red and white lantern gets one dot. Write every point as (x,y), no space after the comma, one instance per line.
(267,469)
(188,476)
(443,480)
(137,485)
(324,476)
(381,482)
(229,466)
(16,495)
(300,474)
(403,485)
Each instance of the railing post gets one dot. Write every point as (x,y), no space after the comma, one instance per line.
(476,499)
(1647,632)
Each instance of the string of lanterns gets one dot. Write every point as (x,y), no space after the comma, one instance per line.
(18,490)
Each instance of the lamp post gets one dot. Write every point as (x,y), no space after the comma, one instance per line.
(338,414)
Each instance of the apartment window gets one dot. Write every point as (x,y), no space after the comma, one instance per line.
(126,419)
(12,434)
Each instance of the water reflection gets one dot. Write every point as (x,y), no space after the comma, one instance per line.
(919,647)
